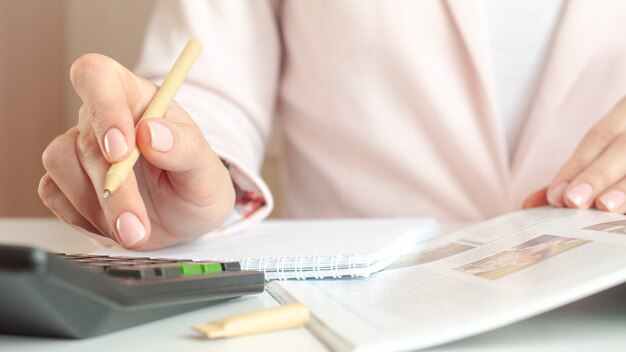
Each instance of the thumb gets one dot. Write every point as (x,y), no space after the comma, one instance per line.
(537,199)
(194,170)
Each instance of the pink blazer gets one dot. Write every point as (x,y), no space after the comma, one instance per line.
(387,108)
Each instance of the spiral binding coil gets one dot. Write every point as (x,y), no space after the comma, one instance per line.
(300,267)
(333,272)
(353,270)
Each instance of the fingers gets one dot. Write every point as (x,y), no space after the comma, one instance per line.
(112,99)
(594,173)
(64,169)
(602,173)
(537,199)
(75,176)
(614,199)
(111,102)
(123,210)
(56,201)
(181,149)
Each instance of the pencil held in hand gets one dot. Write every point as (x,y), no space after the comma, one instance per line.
(156,109)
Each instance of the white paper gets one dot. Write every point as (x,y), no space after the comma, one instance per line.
(521,268)
(312,248)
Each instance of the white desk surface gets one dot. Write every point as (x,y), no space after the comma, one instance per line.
(596,323)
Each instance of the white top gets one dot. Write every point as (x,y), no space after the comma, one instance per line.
(520,32)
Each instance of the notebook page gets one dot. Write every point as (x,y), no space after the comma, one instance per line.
(374,239)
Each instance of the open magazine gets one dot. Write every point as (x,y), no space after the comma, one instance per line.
(469,281)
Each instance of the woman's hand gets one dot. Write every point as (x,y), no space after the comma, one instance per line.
(595,175)
(179,189)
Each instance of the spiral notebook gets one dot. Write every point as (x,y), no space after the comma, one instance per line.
(318,249)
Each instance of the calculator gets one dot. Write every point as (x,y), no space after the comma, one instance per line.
(79,296)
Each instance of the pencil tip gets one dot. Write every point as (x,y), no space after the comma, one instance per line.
(106,194)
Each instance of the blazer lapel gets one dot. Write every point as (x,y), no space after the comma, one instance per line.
(469,18)
(582,25)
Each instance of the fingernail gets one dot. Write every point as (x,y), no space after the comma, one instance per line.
(580,194)
(115,144)
(161,138)
(613,200)
(555,195)
(130,230)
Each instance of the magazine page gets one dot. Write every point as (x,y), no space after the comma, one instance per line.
(474,280)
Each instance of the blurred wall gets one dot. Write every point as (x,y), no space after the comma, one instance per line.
(39,40)
(113,27)
(31,98)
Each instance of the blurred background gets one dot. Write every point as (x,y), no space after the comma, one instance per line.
(39,40)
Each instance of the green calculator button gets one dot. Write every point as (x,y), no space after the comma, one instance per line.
(200,268)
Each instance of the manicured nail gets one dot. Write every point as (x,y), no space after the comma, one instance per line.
(613,200)
(115,144)
(161,138)
(130,230)
(580,194)
(555,195)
